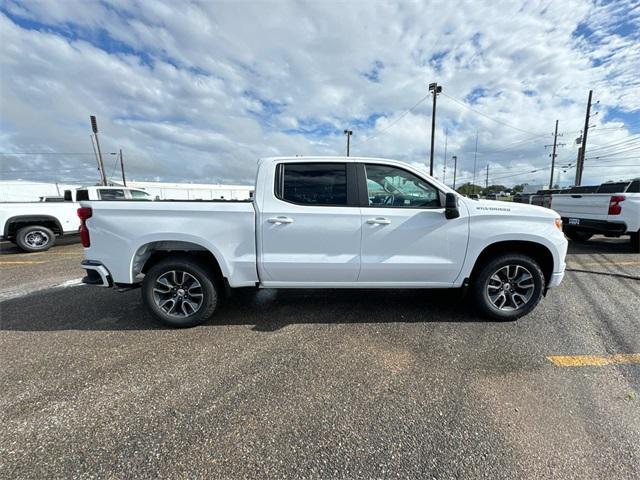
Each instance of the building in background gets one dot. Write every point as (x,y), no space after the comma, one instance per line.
(25,191)
(193,191)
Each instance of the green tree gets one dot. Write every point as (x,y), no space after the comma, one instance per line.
(469,189)
(518,188)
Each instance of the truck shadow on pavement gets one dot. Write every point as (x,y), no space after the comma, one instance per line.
(8,248)
(86,308)
(600,244)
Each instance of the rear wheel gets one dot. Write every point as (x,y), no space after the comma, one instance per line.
(179,292)
(577,235)
(35,238)
(508,287)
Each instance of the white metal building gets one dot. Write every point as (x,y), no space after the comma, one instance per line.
(193,191)
(26,191)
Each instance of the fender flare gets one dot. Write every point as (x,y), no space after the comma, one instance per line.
(33,220)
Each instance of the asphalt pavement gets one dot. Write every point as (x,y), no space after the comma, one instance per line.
(320,384)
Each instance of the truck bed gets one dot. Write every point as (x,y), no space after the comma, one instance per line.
(128,229)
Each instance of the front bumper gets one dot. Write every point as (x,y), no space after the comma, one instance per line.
(555,279)
(97,274)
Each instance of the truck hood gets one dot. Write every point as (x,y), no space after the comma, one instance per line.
(494,207)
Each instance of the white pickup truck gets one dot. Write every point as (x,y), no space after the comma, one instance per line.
(325,222)
(33,226)
(612,210)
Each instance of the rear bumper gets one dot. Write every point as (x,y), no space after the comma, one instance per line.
(597,226)
(97,274)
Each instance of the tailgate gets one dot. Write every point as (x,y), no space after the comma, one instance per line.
(589,205)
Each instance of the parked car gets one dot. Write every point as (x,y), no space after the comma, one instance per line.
(34,226)
(612,210)
(328,222)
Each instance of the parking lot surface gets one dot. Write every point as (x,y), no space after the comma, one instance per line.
(320,384)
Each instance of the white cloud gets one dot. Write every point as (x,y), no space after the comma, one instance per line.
(200,91)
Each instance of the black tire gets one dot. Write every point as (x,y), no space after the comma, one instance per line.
(35,238)
(180,314)
(481,281)
(635,242)
(577,235)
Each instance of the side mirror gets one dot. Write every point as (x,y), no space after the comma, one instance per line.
(451,206)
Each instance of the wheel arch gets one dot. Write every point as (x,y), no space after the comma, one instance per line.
(15,223)
(151,253)
(539,252)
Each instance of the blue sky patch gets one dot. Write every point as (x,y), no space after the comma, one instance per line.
(310,127)
(475,95)
(98,37)
(373,75)
(631,119)
(437,59)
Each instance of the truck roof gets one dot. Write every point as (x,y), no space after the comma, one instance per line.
(315,158)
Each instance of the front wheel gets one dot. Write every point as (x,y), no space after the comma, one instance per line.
(179,292)
(35,238)
(508,287)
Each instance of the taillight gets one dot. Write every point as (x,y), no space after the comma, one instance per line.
(614,204)
(84,213)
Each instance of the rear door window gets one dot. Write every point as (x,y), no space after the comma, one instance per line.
(320,184)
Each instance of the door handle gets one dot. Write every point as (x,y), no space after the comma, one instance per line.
(280,220)
(379,221)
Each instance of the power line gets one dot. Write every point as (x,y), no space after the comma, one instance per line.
(615,152)
(628,139)
(395,122)
(44,153)
(485,115)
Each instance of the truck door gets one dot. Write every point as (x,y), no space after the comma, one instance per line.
(406,238)
(310,225)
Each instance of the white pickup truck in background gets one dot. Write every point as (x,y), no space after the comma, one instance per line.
(34,226)
(612,210)
(325,222)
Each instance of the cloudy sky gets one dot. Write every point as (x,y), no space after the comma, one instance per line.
(198,91)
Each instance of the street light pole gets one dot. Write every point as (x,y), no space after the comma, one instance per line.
(94,127)
(455,168)
(124,181)
(435,89)
(348,133)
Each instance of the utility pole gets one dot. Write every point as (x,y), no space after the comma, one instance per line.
(94,127)
(348,133)
(553,153)
(475,162)
(444,165)
(435,89)
(486,180)
(583,148)
(455,168)
(124,181)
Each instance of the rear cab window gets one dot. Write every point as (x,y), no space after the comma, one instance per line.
(613,187)
(315,184)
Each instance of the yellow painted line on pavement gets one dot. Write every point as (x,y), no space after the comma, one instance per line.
(594,360)
(24,262)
